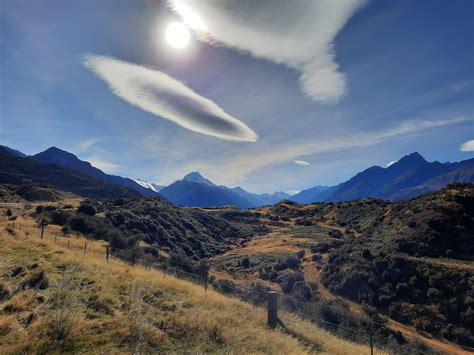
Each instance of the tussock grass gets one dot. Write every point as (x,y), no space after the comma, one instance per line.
(94,306)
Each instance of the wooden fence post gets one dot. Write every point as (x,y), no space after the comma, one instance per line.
(272,309)
(42,231)
(207,279)
(371,343)
(107,253)
(85,248)
(68,243)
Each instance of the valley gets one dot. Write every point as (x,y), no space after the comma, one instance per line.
(352,265)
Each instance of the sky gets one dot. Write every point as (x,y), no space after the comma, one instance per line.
(266,95)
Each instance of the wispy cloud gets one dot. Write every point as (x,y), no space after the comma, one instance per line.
(158,93)
(298,34)
(86,144)
(391,163)
(101,164)
(467,146)
(301,162)
(234,171)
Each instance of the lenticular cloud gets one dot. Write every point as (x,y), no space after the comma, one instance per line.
(166,97)
(298,34)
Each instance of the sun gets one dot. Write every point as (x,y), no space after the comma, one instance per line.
(177,35)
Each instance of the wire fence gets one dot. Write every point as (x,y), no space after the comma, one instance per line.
(199,273)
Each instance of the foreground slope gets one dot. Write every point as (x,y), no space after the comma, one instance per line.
(58,300)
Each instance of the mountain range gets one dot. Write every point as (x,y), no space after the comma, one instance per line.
(68,160)
(409,177)
(196,190)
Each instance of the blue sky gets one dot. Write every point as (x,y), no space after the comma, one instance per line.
(341,88)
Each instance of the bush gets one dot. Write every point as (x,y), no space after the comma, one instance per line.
(59,218)
(87,208)
(288,280)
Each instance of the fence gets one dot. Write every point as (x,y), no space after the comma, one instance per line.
(200,274)
(196,273)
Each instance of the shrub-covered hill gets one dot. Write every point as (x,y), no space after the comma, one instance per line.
(162,226)
(413,260)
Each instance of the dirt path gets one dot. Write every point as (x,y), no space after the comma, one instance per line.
(450,263)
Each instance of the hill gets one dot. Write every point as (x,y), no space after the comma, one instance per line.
(409,177)
(17,170)
(411,260)
(68,160)
(61,300)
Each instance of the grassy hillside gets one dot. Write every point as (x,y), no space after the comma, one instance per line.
(58,300)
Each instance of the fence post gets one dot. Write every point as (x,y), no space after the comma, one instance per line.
(207,279)
(42,231)
(371,343)
(272,309)
(85,248)
(107,253)
(13,225)
(68,243)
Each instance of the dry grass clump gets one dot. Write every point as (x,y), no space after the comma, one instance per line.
(94,306)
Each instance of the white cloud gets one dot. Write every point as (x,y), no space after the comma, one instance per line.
(86,144)
(231,172)
(166,97)
(298,34)
(103,165)
(301,162)
(467,146)
(391,163)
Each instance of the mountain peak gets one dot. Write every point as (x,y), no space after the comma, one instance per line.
(56,152)
(413,160)
(197,178)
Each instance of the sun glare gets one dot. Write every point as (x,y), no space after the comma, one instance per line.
(177,35)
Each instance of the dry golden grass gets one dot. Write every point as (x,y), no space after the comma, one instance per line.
(94,306)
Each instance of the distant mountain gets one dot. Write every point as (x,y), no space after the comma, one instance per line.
(197,178)
(260,199)
(310,195)
(148,185)
(17,170)
(195,190)
(409,177)
(10,151)
(68,160)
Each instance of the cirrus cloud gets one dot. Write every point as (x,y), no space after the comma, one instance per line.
(298,34)
(160,94)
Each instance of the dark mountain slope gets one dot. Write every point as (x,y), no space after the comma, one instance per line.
(8,150)
(409,177)
(17,170)
(68,160)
